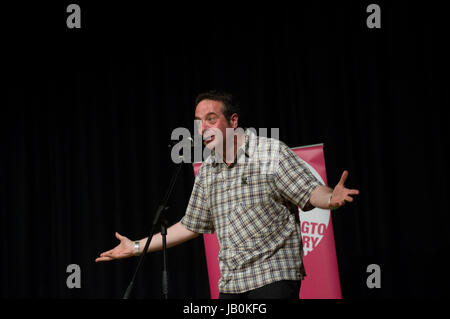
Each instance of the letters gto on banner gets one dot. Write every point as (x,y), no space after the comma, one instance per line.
(322,279)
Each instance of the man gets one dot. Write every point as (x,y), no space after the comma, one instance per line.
(247,191)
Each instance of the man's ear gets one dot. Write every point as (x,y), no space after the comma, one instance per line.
(234,120)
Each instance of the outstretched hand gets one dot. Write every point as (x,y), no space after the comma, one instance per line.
(124,250)
(341,194)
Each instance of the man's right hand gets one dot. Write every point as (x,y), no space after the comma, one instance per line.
(176,234)
(124,250)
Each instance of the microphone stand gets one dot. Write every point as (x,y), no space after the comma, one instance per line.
(159,213)
(165,273)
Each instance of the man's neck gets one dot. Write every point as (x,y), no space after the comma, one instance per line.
(238,141)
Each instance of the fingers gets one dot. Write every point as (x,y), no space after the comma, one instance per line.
(109,254)
(100,259)
(342,202)
(348,198)
(343,178)
(105,256)
(341,194)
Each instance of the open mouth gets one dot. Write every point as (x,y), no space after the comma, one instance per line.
(208,139)
(208,136)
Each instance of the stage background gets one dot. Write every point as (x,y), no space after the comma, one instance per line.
(86,115)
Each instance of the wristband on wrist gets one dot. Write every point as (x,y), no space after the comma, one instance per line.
(329,203)
(136,247)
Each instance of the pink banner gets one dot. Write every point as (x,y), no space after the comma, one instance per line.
(322,280)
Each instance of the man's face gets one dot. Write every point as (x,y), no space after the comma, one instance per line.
(212,124)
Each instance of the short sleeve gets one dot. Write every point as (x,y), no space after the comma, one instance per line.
(198,216)
(293,179)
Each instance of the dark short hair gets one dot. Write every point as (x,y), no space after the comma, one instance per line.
(229,104)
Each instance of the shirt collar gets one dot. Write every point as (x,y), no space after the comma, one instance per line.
(247,148)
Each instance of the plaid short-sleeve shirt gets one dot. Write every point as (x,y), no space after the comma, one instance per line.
(252,205)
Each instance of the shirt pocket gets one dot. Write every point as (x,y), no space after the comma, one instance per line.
(252,190)
(250,227)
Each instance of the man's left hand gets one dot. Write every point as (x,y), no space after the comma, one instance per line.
(341,194)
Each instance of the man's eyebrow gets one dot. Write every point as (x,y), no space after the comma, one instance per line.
(210,113)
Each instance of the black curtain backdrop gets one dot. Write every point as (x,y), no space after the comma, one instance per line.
(86,115)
